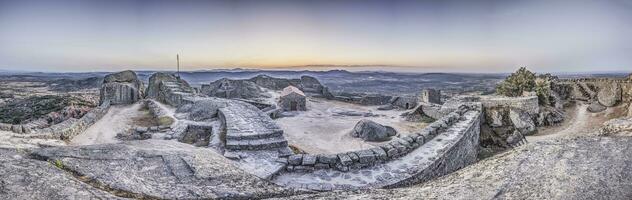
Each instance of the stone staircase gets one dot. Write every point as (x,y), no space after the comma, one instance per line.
(585,89)
(250,129)
(175,93)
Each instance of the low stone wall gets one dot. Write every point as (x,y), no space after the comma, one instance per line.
(72,127)
(369,157)
(369,100)
(528,104)
(431,110)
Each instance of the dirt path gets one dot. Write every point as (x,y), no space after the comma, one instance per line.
(578,122)
(118,119)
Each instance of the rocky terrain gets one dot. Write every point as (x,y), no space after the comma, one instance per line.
(155,136)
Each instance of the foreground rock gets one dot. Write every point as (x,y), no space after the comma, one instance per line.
(24,178)
(609,94)
(620,127)
(586,168)
(596,107)
(371,131)
(158,169)
(121,88)
(231,89)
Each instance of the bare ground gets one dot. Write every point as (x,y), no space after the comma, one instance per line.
(118,119)
(321,130)
(578,122)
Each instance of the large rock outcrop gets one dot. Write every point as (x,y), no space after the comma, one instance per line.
(121,88)
(609,94)
(371,131)
(158,169)
(582,168)
(230,89)
(621,126)
(522,121)
(25,178)
(169,89)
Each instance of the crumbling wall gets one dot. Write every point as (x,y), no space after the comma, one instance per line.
(405,102)
(431,96)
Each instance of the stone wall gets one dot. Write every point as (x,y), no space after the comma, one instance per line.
(597,83)
(451,155)
(72,127)
(364,99)
(396,148)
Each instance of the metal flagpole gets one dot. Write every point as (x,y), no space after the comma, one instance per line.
(178,61)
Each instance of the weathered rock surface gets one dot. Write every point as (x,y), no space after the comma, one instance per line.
(522,121)
(621,126)
(169,89)
(371,131)
(596,107)
(25,178)
(227,88)
(160,169)
(549,116)
(609,94)
(121,88)
(582,168)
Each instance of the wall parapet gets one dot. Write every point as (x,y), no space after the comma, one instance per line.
(369,157)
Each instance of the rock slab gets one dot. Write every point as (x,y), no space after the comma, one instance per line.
(371,131)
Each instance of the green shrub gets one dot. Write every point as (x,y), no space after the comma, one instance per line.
(524,80)
(518,82)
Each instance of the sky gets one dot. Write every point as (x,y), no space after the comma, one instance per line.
(416,36)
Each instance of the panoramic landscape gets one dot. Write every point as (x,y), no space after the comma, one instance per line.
(315,99)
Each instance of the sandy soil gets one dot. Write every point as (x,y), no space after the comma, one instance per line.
(320,130)
(118,119)
(578,122)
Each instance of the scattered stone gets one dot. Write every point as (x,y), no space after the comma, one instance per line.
(141,129)
(309,159)
(231,155)
(296,159)
(345,159)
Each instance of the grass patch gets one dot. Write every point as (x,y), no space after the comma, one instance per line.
(165,121)
(58,164)
(295,149)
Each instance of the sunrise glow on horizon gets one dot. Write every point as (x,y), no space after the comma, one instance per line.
(468,36)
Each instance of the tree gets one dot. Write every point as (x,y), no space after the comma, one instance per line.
(518,82)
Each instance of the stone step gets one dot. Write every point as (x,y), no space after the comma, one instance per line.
(249,135)
(256,144)
(584,89)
